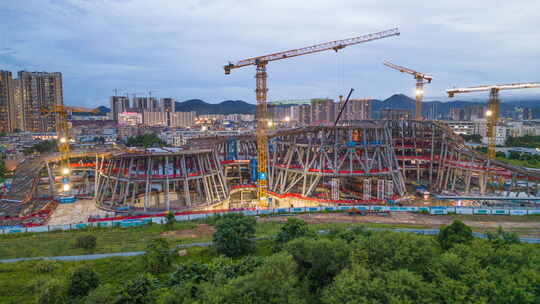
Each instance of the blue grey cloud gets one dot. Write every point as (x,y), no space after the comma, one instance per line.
(178,48)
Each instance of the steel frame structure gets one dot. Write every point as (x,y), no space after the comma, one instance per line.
(160,181)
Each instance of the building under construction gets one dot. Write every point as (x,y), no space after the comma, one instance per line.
(362,162)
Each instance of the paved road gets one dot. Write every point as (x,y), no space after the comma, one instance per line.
(206,244)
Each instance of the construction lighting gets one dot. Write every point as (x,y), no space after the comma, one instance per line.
(419,92)
(489,113)
(63,140)
(287,119)
(270,123)
(65,171)
(204,128)
(66,187)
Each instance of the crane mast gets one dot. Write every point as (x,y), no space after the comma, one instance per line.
(62,134)
(261,90)
(419,92)
(492,112)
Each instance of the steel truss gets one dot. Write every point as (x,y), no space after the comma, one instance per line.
(161,181)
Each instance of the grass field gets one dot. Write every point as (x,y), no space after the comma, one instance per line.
(111,240)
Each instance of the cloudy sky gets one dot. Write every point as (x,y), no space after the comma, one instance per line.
(177,48)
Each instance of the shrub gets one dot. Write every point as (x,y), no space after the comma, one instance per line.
(87,241)
(158,256)
(233,235)
(81,282)
(45,267)
(137,291)
(103,294)
(53,292)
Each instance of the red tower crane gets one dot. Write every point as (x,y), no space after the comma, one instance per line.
(260,62)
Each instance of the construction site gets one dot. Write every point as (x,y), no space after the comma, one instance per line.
(366,162)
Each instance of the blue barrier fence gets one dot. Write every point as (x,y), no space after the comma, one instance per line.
(160,220)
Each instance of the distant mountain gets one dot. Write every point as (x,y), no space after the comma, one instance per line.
(102,111)
(224,107)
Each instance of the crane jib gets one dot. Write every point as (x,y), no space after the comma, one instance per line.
(333,45)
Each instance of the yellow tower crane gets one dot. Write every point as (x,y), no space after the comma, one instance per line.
(419,92)
(260,62)
(492,112)
(63,138)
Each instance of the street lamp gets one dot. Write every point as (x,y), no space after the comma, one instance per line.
(287,119)
(489,113)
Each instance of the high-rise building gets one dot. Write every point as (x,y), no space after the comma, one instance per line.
(39,90)
(304,114)
(395,114)
(356,109)
(323,111)
(119,104)
(167,104)
(154,118)
(146,103)
(7,106)
(183,119)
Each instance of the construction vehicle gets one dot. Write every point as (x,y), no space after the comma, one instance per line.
(419,92)
(261,90)
(63,138)
(492,112)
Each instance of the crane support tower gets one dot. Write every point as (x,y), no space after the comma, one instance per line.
(261,90)
(492,112)
(420,81)
(62,134)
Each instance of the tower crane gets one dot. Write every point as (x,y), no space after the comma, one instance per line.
(260,62)
(62,132)
(492,112)
(419,92)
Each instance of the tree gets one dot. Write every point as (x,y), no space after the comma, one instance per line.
(137,291)
(158,256)
(234,233)
(169,220)
(500,238)
(190,272)
(274,282)
(359,285)
(318,260)
(387,251)
(292,229)
(81,282)
(145,140)
(455,233)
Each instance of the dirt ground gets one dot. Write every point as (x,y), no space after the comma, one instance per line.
(200,231)
(77,212)
(531,228)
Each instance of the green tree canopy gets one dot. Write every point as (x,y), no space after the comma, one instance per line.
(234,233)
(455,233)
(146,140)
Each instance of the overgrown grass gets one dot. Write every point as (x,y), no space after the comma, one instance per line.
(110,240)
(19,282)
